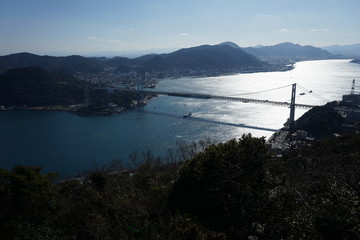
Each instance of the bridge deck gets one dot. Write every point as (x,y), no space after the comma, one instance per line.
(216,97)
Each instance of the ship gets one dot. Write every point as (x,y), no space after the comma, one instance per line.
(187,115)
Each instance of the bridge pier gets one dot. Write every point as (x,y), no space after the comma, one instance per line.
(292,107)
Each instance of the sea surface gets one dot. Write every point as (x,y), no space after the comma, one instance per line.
(71,144)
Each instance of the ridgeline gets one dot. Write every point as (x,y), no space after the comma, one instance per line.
(32,80)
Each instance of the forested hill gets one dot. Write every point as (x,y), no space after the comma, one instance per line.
(35,86)
(67,65)
(217,57)
(205,57)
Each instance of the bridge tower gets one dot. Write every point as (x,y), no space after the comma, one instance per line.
(292,107)
(140,87)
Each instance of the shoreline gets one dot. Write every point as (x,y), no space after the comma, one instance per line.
(59,108)
(74,109)
(66,109)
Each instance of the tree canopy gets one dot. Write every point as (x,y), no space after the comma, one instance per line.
(232,190)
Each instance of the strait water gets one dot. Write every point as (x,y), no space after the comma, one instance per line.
(69,144)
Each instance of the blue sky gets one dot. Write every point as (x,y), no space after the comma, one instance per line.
(66,27)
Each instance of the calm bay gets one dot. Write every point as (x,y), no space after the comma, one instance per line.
(69,144)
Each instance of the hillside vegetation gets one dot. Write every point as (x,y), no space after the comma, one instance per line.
(69,64)
(34,86)
(207,57)
(232,190)
(321,121)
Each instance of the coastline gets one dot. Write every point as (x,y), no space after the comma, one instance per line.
(68,109)
(41,108)
(74,109)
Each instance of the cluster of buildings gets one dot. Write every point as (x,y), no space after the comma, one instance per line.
(110,78)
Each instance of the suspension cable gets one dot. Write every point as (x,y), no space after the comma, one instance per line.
(314,94)
(273,89)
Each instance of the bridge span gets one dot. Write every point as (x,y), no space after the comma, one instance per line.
(292,104)
(215,97)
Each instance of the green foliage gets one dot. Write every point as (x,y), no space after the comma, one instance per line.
(324,182)
(232,190)
(34,86)
(124,205)
(239,189)
(224,185)
(27,201)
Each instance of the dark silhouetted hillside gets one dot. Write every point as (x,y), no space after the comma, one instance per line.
(68,64)
(222,57)
(215,59)
(35,86)
(209,57)
(321,121)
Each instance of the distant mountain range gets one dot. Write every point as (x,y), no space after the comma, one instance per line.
(351,51)
(206,57)
(224,57)
(289,52)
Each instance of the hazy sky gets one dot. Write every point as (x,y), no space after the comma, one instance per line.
(88,26)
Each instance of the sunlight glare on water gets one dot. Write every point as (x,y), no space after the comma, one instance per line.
(330,79)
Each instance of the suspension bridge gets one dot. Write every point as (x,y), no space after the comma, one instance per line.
(217,97)
(140,91)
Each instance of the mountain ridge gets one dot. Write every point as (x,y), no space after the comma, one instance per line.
(210,57)
(70,63)
(224,57)
(288,51)
(202,57)
(352,51)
